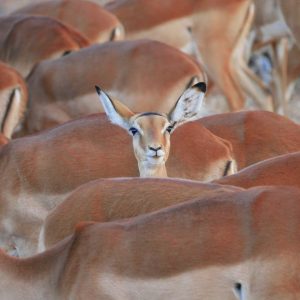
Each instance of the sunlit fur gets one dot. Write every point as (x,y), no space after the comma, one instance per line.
(252,143)
(94,22)
(151,130)
(235,246)
(217,31)
(109,199)
(27,40)
(121,68)
(279,170)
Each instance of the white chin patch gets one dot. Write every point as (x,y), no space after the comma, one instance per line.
(155,160)
(159,153)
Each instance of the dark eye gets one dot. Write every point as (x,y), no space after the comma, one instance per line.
(169,128)
(133,130)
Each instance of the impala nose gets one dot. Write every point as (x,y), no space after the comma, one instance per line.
(155,149)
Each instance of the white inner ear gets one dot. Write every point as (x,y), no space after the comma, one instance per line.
(13,116)
(111,112)
(188,106)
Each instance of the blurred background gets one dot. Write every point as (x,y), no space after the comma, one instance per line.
(269,51)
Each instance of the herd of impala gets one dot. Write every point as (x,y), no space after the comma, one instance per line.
(117,183)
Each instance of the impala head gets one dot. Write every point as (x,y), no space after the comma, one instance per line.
(150,130)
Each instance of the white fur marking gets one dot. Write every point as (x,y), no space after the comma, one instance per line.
(188,107)
(110,111)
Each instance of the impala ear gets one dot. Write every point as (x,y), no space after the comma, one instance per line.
(13,114)
(117,112)
(188,106)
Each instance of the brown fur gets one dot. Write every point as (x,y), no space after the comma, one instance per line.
(89,18)
(122,69)
(248,239)
(41,170)
(105,200)
(216,27)
(255,135)
(10,80)
(3,139)
(280,170)
(26,40)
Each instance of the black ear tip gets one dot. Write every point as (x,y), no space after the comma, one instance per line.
(201,86)
(98,90)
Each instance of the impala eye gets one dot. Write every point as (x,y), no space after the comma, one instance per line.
(133,130)
(170,128)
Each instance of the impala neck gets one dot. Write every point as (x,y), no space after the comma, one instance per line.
(152,170)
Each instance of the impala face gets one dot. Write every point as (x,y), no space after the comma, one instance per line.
(151,131)
(151,137)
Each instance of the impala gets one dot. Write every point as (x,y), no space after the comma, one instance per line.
(13,100)
(26,40)
(280,170)
(145,75)
(94,22)
(105,200)
(290,10)
(236,245)
(215,32)
(151,130)
(255,135)
(276,34)
(290,59)
(39,171)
